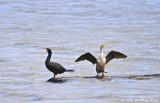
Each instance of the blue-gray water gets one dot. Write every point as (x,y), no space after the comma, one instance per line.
(71,28)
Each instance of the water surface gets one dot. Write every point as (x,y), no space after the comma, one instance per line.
(71,28)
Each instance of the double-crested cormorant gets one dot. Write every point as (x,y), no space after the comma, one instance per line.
(101,61)
(54,67)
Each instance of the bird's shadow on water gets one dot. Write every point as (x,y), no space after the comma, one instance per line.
(132,77)
(105,78)
(57,80)
(101,78)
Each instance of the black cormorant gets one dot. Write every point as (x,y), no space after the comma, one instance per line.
(54,67)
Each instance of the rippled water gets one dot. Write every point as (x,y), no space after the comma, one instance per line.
(71,28)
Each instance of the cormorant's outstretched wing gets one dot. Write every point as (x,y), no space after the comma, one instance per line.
(87,56)
(114,54)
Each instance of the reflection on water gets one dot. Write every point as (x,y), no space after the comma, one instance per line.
(71,28)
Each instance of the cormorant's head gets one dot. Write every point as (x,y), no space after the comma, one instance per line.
(101,47)
(48,50)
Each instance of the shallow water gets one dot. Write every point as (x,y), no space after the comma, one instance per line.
(71,28)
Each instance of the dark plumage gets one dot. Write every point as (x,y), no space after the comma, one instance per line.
(54,67)
(87,56)
(114,54)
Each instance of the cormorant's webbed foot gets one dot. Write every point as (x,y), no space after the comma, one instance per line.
(103,74)
(97,75)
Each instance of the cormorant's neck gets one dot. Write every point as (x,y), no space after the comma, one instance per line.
(49,57)
(101,50)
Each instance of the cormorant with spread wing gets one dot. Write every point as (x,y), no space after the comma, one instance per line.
(101,61)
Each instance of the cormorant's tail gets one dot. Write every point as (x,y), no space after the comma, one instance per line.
(69,70)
